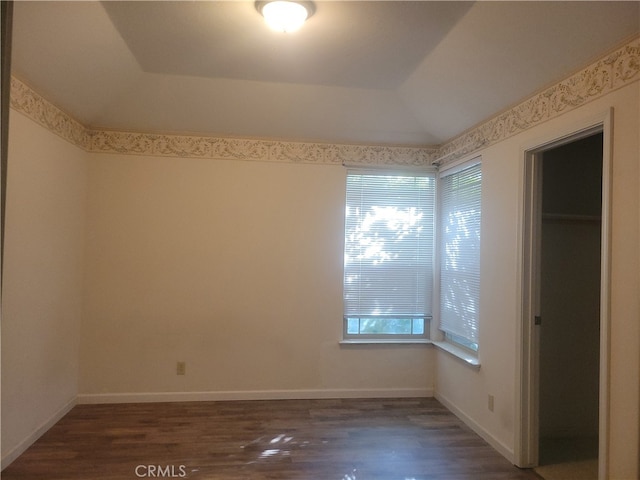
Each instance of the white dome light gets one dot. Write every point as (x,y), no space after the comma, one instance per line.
(285,15)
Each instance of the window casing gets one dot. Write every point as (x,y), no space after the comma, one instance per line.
(388,255)
(460,214)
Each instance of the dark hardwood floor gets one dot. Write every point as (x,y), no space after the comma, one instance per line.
(348,439)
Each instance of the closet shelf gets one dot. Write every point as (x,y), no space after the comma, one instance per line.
(570,218)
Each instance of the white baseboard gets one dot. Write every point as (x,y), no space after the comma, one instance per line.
(503,449)
(94,398)
(36,434)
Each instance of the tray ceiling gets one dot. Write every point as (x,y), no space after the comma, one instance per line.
(379,72)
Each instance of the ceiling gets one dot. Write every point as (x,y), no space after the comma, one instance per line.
(375,72)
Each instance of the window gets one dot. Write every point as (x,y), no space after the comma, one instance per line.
(388,257)
(460,214)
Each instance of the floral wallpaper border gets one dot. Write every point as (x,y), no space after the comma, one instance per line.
(257,150)
(615,70)
(35,106)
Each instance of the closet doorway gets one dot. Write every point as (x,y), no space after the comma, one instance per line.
(565,292)
(569,324)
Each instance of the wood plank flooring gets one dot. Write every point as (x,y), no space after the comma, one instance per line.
(341,439)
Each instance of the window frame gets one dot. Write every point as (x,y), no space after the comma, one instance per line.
(457,341)
(431,173)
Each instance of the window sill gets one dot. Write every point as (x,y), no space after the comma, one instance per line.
(459,353)
(391,341)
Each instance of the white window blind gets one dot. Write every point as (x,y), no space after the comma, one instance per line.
(460,215)
(388,261)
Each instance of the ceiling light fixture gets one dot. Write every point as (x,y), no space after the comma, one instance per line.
(285,15)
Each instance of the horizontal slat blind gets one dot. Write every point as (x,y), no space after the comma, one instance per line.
(389,241)
(460,215)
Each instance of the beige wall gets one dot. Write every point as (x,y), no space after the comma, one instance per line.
(234,267)
(41,303)
(466,390)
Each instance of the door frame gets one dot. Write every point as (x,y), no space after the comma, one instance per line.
(528,341)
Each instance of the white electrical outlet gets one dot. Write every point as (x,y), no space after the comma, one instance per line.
(181,368)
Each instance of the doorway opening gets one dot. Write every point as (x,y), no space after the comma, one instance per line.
(569,320)
(564,331)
